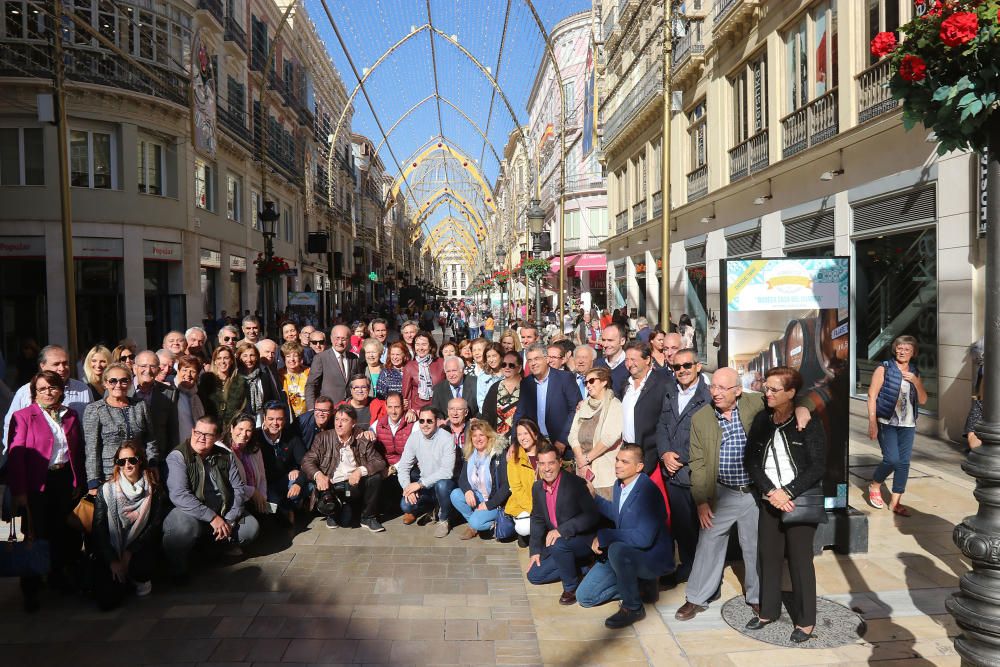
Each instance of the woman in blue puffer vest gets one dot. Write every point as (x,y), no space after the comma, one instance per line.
(895,392)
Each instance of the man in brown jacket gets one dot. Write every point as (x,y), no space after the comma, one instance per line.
(349,467)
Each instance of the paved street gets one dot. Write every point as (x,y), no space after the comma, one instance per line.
(405,598)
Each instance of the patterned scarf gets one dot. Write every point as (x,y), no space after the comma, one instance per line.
(506,407)
(479,475)
(128,511)
(425,387)
(256,384)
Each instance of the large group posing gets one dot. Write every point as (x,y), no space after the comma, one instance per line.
(613,459)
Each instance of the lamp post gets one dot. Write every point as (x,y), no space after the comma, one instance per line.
(268,218)
(501,262)
(536,219)
(390,279)
(359,258)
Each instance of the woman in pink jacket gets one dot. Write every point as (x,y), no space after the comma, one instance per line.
(45,474)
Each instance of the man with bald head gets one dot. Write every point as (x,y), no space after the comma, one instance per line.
(722,490)
(671,344)
(584,357)
(456,384)
(332,369)
(158,397)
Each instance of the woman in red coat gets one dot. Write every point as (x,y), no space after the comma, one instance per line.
(421,373)
(45,473)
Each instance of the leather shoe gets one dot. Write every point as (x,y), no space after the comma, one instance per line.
(468,534)
(688,611)
(756,624)
(624,617)
(567,598)
(799,635)
(409,518)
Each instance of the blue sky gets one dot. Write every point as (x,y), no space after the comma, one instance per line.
(369,27)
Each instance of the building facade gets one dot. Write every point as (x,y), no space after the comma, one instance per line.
(586,211)
(786,142)
(168,169)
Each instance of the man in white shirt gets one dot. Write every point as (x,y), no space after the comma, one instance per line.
(612,341)
(76,395)
(642,401)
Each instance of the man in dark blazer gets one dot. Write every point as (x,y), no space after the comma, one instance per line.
(159,399)
(456,384)
(557,393)
(638,548)
(332,369)
(681,400)
(563,519)
(642,399)
(612,341)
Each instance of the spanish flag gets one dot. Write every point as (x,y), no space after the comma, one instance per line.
(546,135)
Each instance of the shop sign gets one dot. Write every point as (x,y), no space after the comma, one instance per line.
(984,197)
(87,247)
(161,250)
(22,246)
(211,258)
(237,263)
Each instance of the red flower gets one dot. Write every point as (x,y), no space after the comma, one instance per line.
(883,44)
(913,68)
(959,28)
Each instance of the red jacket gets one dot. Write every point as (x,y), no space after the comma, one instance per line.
(376,409)
(411,382)
(31,444)
(391,445)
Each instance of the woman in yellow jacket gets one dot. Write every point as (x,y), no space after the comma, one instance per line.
(521,463)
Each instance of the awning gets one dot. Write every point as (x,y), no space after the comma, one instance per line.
(591,261)
(570,261)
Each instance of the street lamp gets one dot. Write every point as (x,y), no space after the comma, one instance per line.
(536,220)
(390,280)
(268,218)
(501,261)
(359,258)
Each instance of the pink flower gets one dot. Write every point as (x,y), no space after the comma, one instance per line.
(913,68)
(959,28)
(883,44)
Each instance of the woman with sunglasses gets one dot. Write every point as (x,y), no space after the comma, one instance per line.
(222,390)
(125,353)
(45,475)
(391,377)
(597,432)
(261,389)
(239,439)
(94,365)
(113,420)
(490,372)
(128,516)
(500,402)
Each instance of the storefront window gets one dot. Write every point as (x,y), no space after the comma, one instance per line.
(235,302)
(164,311)
(696,308)
(23,316)
(100,308)
(896,294)
(208,280)
(639,263)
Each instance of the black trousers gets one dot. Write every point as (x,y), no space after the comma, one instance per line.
(775,540)
(49,510)
(110,593)
(364,496)
(684,525)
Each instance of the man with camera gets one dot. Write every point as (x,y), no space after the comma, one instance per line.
(347,471)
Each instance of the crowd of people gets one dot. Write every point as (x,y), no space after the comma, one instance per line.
(613,458)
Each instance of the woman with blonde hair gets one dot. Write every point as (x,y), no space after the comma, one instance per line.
(510,341)
(94,365)
(597,431)
(481,492)
(222,390)
(294,376)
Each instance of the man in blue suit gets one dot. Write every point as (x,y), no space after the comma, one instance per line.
(549,397)
(639,549)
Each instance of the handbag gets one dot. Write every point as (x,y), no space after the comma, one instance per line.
(82,517)
(503,527)
(809,508)
(27,558)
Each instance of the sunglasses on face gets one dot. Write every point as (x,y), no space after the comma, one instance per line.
(427,421)
(228,339)
(317,342)
(508,365)
(590,381)
(111,382)
(131,460)
(772,390)
(127,357)
(687,365)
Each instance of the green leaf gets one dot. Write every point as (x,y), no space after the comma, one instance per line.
(975,107)
(942,93)
(966,99)
(908,122)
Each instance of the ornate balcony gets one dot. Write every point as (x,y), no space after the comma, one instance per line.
(874,96)
(812,124)
(626,8)
(639,214)
(612,31)
(733,18)
(236,34)
(646,92)
(697,183)
(657,204)
(749,157)
(621,222)
(234,123)
(688,56)
(214,8)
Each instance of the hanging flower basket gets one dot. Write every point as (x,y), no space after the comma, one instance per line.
(945,71)
(501,277)
(535,269)
(266,268)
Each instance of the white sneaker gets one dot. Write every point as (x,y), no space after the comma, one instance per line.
(143,588)
(442,529)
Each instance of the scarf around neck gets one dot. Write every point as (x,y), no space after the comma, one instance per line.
(479,475)
(128,511)
(425,385)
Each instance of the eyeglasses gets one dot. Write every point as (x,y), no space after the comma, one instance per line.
(201,435)
(321,412)
(228,339)
(111,382)
(773,390)
(126,357)
(48,389)
(590,381)
(508,364)
(131,460)
(318,342)
(427,421)
(687,365)
(716,387)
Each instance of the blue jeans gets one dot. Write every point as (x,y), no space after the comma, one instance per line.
(617,578)
(439,494)
(897,446)
(559,562)
(478,520)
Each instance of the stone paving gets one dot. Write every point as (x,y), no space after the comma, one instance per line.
(405,598)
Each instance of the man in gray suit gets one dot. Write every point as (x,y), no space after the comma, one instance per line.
(455,385)
(332,369)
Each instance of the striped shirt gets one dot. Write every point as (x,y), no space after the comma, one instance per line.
(734,442)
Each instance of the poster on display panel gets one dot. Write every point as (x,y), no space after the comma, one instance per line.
(795,312)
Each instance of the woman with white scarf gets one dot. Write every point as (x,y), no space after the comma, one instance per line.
(127,520)
(482,487)
(261,388)
(189,406)
(597,432)
(421,373)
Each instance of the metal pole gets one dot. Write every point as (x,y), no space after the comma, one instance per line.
(976,607)
(665,173)
(65,199)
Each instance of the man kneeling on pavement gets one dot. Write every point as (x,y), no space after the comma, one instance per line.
(349,468)
(637,551)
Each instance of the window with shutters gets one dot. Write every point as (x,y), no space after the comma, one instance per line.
(809,232)
(749,87)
